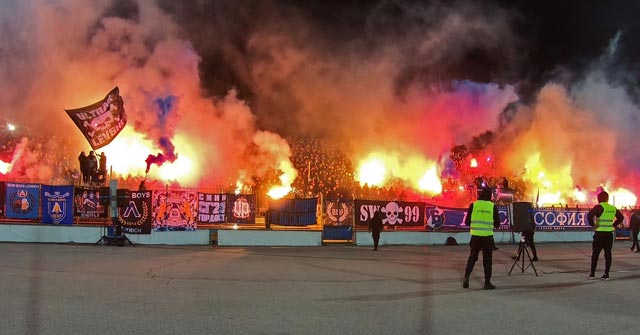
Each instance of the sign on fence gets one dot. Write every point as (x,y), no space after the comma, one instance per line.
(394,213)
(134,213)
(293,212)
(57,204)
(22,200)
(211,208)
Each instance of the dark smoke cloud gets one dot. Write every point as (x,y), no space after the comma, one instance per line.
(408,77)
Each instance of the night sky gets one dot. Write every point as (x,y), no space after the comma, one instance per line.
(544,37)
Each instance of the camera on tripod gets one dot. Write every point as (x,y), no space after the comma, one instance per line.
(523,223)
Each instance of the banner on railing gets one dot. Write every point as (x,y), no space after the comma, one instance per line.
(394,213)
(211,208)
(544,218)
(560,218)
(453,218)
(57,204)
(2,196)
(174,210)
(22,201)
(241,208)
(338,213)
(87,203)
(134,213)
(292,212)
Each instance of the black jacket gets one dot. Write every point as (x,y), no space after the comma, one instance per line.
(635,221)
(375,224)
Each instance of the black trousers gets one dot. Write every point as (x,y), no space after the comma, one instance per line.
(602,240)
(634,240)
(528,237)
(478,243)
(376,238)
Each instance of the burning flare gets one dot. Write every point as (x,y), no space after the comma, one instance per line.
(418,173)
(4,167)
(126,156)
(372,172)
(289,174)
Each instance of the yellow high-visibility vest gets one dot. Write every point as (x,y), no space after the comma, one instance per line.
(605,221)
(482,218)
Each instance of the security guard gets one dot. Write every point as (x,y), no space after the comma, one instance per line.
(603,217)
(482,217)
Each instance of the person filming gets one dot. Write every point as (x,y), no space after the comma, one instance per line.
(482,217)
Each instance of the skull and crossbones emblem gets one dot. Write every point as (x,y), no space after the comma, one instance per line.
(392,210)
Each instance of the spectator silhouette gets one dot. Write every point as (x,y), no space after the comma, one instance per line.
(84,168)
(92,167)
(375,227)
(102,170)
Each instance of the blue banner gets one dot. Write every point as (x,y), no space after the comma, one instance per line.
(293,212)
(453,218)
(544,218)
(2,194)
(57,204)
(560,219)
(22,200)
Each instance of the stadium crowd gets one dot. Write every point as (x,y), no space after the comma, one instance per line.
(323,169)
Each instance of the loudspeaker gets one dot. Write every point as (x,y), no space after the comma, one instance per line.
(104,196)
(522,217)
(122,197)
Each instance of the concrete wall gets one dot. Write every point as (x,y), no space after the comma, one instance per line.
(230,237)
(79,234)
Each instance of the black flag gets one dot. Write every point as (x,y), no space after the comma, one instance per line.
(102,121)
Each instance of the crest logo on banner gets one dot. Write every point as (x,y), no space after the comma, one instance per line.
(339,213)
(135,214)
(131,211)
(56,204)
(22,200)
(211,207)
(242,208)
(435,217)
(102,121)
(174,211)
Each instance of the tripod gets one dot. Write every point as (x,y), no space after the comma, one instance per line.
(104,239)
(120,238)
(523,249)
